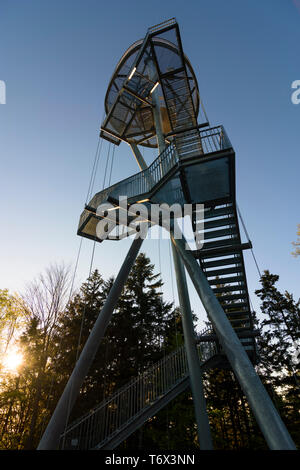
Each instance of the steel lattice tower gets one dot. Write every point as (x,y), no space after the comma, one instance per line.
(153,101)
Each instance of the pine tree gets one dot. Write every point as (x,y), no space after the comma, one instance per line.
(281,326)
(133,340)
(279,360)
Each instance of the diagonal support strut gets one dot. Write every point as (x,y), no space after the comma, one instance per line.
(57,423)
(269,421)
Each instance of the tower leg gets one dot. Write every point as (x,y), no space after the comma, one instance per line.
(267,417)
(57,423)
(139,157)
(195,372)
(194,365)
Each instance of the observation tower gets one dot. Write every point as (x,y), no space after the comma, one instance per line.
(153,101)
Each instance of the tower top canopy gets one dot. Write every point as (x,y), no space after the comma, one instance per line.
(157,61)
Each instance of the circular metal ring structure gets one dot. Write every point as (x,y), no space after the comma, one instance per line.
(168,55)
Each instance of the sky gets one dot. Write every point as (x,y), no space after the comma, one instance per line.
(56,59)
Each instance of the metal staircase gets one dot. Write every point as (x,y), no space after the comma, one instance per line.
(221,258)
(181,110)
(144,184)
(113,420)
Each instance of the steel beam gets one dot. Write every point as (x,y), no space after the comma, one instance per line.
(195,372)
(58,421)
(138,156)
(194,366)
(268,419)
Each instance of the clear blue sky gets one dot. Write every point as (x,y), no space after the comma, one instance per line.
(57,57)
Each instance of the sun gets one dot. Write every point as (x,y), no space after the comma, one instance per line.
(12,360)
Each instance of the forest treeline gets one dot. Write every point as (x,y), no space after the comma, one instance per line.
(50,330)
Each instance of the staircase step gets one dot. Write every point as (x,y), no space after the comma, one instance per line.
(219,233)
(240,287)
(235,305)
(219,243)
(240,320)
(189,141)
(220,251)
(211,213)
(182,116)
(182,98)
(221,262)
(187,145)
(243,332)
(187,105)
(248,343)
(187,138)
(188,148)
(177,85)
(220,272)
(219,222)
(243,322)
(238,314)
(232,297)
(240,329)
(226,280)
(174,112)
(181,119)
(181,85)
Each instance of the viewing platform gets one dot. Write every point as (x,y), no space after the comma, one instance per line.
(209,175)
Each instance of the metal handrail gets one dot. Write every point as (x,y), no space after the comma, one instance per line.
(162,25)
(131,400)
(186,145)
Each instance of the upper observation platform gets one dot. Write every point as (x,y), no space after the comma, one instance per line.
(155,63)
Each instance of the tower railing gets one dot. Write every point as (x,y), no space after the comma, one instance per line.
(213,139)
(164,24)
(128,403)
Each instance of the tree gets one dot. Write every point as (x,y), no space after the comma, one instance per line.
(281,325)
(135,337)
(11,318)
(232,423)
(44,301)
(142,330)
(279,358)
(70,336)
